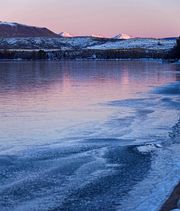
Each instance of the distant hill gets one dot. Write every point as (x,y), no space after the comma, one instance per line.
(9,30)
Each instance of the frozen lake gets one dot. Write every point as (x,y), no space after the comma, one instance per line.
(88,135)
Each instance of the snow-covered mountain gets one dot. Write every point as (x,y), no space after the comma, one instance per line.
(9,29)
(65,34)
(19,36)
(97,36)
(122,36)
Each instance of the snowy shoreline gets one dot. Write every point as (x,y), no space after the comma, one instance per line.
(160,190)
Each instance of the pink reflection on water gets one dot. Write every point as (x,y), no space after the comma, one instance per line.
(46,100)
(76,84)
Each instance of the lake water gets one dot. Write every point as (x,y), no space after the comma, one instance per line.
(88,135)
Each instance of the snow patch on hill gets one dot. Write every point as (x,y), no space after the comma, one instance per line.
(97,36)
(8,23)
(14,24)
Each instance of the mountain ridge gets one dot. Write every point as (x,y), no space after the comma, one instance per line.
(12,29)
(15,30)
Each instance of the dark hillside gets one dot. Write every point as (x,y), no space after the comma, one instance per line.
(10,30)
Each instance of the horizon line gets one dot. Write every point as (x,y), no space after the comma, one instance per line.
(88,35)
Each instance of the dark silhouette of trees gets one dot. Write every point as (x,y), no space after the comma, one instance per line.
(178,48)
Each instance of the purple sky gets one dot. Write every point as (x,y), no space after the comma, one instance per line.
(153,18)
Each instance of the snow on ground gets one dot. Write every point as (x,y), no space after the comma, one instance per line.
(56,43)
(92,43)
(158,185)
(148,148)
(164,174)
(81,42)
(151,44)
(33,43)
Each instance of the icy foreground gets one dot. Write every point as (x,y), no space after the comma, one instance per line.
(117,149)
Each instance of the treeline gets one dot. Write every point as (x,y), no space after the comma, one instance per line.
(177,49)
(84,54)
(20,54)
(175,53)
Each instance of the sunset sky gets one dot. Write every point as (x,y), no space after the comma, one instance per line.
(154,18)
